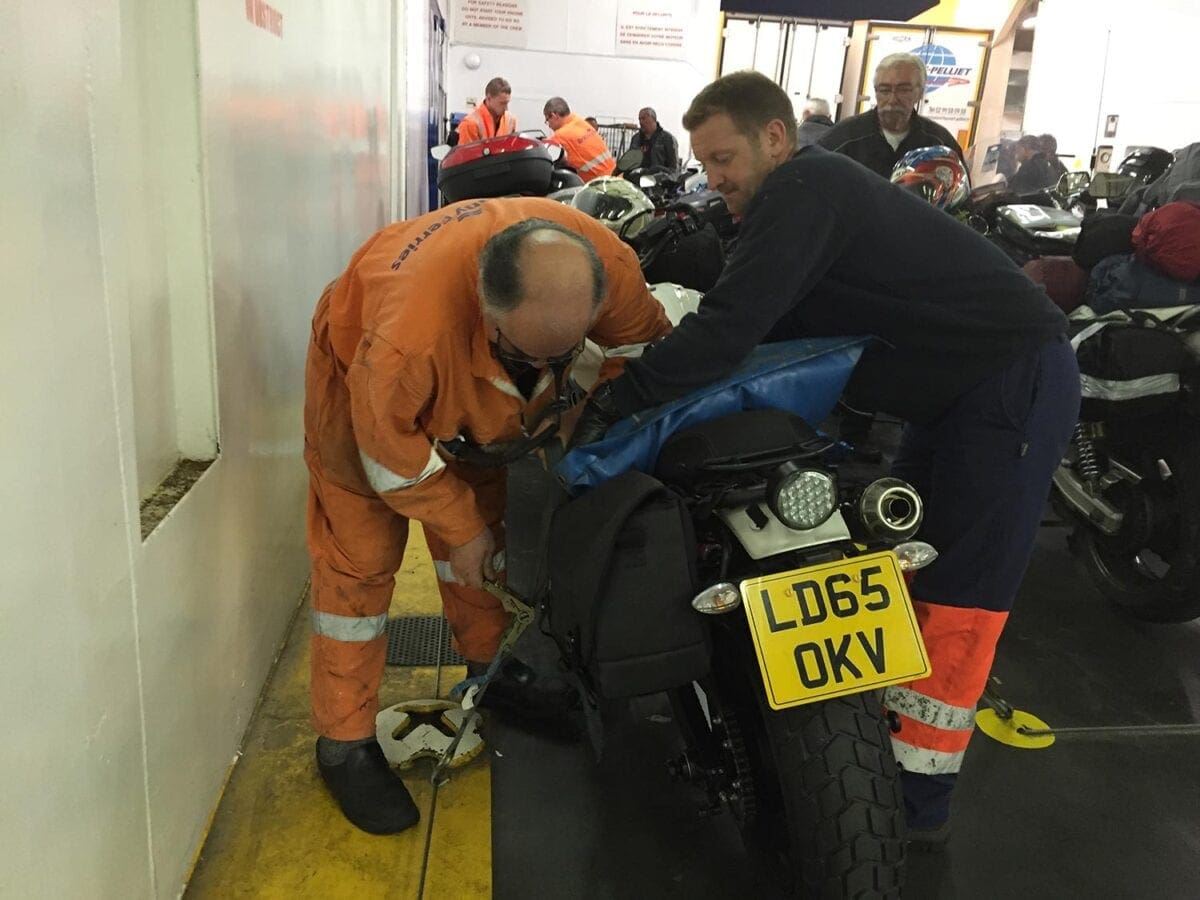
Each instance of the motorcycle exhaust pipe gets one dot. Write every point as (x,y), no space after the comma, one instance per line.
(889,509)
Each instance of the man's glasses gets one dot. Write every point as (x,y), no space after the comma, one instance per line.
(903,91)
(510,352)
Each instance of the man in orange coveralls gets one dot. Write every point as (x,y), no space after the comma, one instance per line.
(440,353)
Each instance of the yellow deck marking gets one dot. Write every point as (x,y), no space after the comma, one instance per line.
(278,833)
(1006,730)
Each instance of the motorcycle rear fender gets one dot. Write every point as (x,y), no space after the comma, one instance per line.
(775,537)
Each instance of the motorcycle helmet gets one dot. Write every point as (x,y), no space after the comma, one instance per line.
(934,174)
(1146,164)
(620,205)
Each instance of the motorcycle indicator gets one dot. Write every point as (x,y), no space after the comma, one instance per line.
(834,629)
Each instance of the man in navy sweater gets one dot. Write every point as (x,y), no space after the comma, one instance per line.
(970,353)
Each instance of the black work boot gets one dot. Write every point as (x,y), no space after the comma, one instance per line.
(518,694)
(370,794)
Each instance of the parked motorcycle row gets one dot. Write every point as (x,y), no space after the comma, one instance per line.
(752,513)
(1120,253)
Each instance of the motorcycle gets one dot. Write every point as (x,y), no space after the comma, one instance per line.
(1130,483)
(762,590)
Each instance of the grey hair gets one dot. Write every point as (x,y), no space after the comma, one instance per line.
(557,106)
(649,109)
(500,282)
(815,106)
(902,59)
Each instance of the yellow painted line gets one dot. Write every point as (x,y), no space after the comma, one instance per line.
(278,833)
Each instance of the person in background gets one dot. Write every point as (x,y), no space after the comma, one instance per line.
(447,342)
(1049,145)
(1034,171)
(879,138)
(583,147)
(491,117)
(814,121)
(658,146)
(591,120)
(970,353)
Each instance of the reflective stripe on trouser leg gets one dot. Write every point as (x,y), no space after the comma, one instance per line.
(936,714)
(477,619)
(357,544)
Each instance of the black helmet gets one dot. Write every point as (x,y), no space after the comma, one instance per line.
(1146,164)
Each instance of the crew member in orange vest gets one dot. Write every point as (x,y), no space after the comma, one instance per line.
(585,150)
(491,117)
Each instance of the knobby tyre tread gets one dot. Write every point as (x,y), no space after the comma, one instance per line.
(830,818)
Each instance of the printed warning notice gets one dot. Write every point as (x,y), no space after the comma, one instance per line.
(497,23)
(651,28)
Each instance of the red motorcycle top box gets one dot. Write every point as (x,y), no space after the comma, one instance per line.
(493,167)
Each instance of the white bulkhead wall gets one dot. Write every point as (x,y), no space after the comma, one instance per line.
(129,669)
(571,51)
(1096,58)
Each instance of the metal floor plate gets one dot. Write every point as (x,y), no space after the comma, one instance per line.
(420,641)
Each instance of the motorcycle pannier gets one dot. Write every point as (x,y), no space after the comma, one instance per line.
(622,577)
(1130,369)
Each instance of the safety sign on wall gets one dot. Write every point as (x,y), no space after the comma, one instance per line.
(652,28)
(493,23)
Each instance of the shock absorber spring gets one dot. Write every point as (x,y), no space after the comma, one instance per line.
(1087,458)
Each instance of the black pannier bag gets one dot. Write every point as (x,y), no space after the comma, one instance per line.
(622,577)
(1103,234)
(1132,368)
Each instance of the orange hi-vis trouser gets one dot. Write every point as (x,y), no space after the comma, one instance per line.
(984,471)
(357,544)
(937,714)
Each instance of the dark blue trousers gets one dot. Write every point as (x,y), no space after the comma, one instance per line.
(984,470)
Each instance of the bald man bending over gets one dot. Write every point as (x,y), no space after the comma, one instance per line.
(440,355)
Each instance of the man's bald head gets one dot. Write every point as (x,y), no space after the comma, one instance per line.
(542,284)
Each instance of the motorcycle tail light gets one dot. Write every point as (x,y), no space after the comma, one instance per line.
(914,555)
(801,498)
(721,598)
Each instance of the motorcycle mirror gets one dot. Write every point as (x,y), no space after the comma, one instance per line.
(440,152)
(630,159)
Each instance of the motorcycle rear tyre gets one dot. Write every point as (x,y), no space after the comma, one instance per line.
(1174,598)
(830,817)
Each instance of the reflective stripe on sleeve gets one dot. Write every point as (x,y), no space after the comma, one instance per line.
(348,628)
(446,575)
(626,351)
(507,387)
(382,479)
(925,709)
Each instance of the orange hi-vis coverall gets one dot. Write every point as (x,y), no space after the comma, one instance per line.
(585,150)
(400,362)
(479,124)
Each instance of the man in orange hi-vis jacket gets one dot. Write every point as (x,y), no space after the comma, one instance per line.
(584,149)
(438,356)
(491,117)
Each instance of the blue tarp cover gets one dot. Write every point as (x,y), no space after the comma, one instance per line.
(804,377)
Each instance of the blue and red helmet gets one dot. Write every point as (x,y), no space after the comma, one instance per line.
(934,174)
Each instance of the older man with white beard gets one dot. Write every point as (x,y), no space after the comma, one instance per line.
(880,136)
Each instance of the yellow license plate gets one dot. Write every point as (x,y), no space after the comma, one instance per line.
(834,629)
